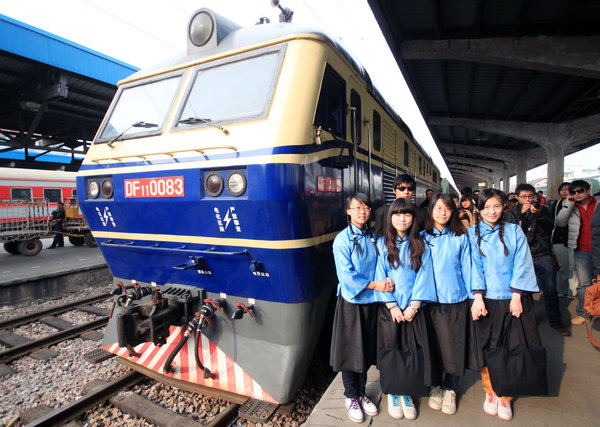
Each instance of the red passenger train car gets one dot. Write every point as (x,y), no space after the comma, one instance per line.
(29,184)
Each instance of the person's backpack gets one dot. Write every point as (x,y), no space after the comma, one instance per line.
(591,306)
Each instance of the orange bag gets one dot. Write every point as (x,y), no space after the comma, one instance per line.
(591,305)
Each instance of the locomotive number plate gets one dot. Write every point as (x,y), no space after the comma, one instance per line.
(164,186)
(325,183)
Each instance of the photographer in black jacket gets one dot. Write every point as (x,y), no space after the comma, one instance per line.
(537,224)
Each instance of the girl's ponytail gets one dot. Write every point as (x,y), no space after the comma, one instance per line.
(501,231)
(373,240)
(477,221)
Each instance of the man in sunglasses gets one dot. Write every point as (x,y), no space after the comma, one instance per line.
(577,214)
(404,188)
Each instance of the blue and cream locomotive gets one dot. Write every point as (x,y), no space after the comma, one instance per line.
(215,186)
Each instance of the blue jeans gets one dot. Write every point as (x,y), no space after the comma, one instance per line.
(562,275)
(584,267)
(546,279)
(354,384)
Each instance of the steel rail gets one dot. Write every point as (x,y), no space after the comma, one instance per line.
(21,320)
(13,353)
(227,417)
(79,406)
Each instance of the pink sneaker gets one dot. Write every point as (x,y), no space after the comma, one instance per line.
(490,405)
(504,410)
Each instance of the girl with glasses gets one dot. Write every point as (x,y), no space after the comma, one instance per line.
(502,281)
(406,261)
(353,342)
(445,236)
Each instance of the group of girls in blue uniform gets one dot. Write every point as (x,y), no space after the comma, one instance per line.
(424,305)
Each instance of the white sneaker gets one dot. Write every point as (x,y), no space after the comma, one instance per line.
(394,407)
(435,398)
(354,412)
(449,402)
(367,406)
(490,405)
(504,410)
(408,407)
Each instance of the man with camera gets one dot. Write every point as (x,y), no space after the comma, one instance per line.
(537,224)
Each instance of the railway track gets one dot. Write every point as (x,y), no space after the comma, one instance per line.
(132,403)
(227,411)
(19,346)
(31,317)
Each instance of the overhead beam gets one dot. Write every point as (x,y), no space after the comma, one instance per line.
(577,56)
(494,153)
(567,134)
(468,168)
(469,160)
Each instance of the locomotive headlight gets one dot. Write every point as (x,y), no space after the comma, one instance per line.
(93,188)
(201,29)
(213,184)
(236,183)
(107,188)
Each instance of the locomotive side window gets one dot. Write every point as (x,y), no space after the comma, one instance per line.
(53,195)
(355,117)
(332,105)
(20,193)
(234,90)
(376,131)
(406,154)
(141,109)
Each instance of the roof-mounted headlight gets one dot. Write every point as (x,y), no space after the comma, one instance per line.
(206,29)
(201,28)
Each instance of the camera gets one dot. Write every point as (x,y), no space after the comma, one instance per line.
(536,204)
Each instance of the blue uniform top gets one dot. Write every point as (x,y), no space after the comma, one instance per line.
(496,273)
(354,270)
(451,256)
(408,284)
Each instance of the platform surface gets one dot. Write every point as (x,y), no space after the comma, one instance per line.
(49,262)
(573,376)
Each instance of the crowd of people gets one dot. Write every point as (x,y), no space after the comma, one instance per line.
(430,290)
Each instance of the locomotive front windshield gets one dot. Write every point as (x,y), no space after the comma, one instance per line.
(141,109)
(237,89)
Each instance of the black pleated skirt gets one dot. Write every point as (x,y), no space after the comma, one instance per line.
(450,336)
(354,337)
(401,335)
(489,329)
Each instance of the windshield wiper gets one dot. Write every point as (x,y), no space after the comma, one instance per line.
(135,125)
(196,120)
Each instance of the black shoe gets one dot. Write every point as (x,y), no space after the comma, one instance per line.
(561,330)
(51,247)
(61,246)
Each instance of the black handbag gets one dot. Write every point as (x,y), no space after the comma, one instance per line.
(520,371)
(402,369)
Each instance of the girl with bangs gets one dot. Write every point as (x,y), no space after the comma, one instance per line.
(404,260)
(502,280)
(447,240)
(353,341)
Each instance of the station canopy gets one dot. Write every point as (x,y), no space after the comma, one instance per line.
(53,96)
(488,74)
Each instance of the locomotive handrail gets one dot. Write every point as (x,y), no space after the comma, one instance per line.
(211,251)
(170,153)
